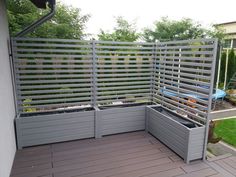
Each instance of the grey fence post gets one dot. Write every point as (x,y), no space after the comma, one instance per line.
(210,98)
(146,118)
(97,117)
(153,72)
(94,101)
(98,123)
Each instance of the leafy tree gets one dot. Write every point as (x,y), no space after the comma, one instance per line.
(216,32)
(167,30)
(231,65)
(68,22)
(222,67)
(123,31)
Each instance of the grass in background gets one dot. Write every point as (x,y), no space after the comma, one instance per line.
(226,129)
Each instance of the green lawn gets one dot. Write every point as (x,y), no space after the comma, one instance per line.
(226,129)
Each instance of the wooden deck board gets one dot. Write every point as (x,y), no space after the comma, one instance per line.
(108,158)
(201,173)
(136,154)
(151,170)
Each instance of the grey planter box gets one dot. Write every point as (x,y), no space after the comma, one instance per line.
(115,120)
(187,142)
(55,127)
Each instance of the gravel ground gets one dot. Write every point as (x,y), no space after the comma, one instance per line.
(221,105)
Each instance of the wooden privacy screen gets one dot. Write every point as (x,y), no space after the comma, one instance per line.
(184,76)
(55,74)
(52,74)
(123,72)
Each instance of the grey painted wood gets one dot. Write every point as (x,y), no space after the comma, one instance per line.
(36,130)
(103,72)
(120,120)
(98,123)
(186,142)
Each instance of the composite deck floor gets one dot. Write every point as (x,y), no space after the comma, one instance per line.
(125,155)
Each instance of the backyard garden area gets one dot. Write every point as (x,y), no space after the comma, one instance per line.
(227,78)
(226,129)
(124,102)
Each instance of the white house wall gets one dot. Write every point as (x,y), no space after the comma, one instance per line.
(7,110)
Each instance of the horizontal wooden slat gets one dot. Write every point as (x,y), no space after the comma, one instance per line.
(145,99)
(186,52)
(124,66)
(35,102)
(186,41)
(121,42)
(118,75)
(186,47)
(139,90)
(60,90)
(49,40)
(183,79)
(40,71)
(53,76)
(181,97)
(124,52)
(123,87)
(180,57)
(123,83)
(51,56)
(124,79)
(54,96)
(186,91)
(51,60)
(58,105)
(124,56)
(55,86)
(199,89)
(51,45)
(125,70)
(124,47)
(123,96)
(124,61)
(193,76)
(188,105)
(28,66)
(22,50)
(185,63)
(40,81)
(192,70)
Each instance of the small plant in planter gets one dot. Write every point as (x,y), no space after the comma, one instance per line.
(27,104)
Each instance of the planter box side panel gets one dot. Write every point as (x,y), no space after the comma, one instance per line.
(37,130)
(172,134)
(196,143)
(120,120)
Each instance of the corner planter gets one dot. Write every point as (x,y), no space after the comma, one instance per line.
(179,134)
(43,128)
(119,119)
